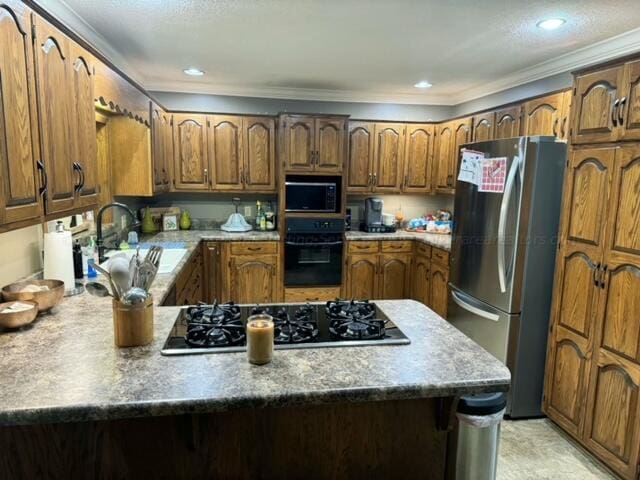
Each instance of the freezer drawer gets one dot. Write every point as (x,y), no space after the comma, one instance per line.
(501,334)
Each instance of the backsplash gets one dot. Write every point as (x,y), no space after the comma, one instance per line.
(412,206)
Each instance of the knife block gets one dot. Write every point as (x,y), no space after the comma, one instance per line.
(133,324)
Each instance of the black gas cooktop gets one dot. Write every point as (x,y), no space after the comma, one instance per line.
(220,328)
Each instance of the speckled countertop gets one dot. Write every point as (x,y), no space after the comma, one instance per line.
(64,367)
(433,239)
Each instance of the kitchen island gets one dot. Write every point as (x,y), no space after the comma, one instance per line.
(74,406)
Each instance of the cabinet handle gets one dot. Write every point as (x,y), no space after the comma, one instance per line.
(81,176)
(206,175)
(562,127)
(406,180)
(165,177)
(254,249)
(614,118)
(43,177)
(596,275)
(555,128)
(621,110)
(603,276)
(312,299)
(370,180)
(375,179)
(76,169)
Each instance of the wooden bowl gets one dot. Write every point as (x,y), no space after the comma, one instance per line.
(46,300)
(18,319)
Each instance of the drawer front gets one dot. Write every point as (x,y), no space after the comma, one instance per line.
(323,294)
(423,249)
(363,247)
(397,246)
(252,248)
(440,256)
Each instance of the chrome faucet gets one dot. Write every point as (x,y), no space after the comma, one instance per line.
(99,240)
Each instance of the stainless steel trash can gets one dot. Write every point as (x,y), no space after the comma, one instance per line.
(479,418)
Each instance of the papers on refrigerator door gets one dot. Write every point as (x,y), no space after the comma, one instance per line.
(471,167)
(494,174)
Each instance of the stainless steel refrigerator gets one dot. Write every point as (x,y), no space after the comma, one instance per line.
(502,261)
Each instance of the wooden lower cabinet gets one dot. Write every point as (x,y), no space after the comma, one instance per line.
(430,278)
(395,276)
(312,294)
(362,276)
(439,283)
(189,284)
(421,285)
(212,287)
(252,277)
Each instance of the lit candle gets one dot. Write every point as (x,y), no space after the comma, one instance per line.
(259,339)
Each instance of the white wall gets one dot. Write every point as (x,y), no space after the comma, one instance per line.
(20,253)
(412,206)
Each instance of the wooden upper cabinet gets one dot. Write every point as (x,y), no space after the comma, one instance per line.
(389,156)
(19,154)
(360,159)
(543,116)
(191,166)
(418,162)
(313,143)
(299,143)
(624,229)
(157,148)
(395,276)
(484,127)
(55,104)
(461,135)
(507,122)
(83,123)
(629,110)
(259,153)
(225,144)
(442,158)
(595,102)
(329,152)
(167,130)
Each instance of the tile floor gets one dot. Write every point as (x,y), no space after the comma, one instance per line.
(537,449)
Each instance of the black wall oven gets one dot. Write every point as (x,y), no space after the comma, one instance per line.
(312,194)
(313,252)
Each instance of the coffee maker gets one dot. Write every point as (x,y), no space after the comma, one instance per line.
(373,217)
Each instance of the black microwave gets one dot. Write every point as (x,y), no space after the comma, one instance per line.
(312,196)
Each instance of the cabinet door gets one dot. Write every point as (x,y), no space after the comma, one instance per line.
(629,111)
(253,278)
(329,136)
(362,277)
(225,149)
(567,98)
(508,122)
(53,76)
(259,153)
(83,121)
(299,143)
(461,135)
(484,127)
(593,106)
(389,156)
(542,116)
(422,279)
(167,129)
(191,166)
(442,162)
(211,283)
(395,276)
(439,289)
(360,158)
(19,153)
(418,159)
(157,147)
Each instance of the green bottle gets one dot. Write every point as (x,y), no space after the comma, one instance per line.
(148,226)
(185,220)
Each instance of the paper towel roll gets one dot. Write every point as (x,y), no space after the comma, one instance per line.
(58,258)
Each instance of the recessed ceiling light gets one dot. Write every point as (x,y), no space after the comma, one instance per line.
(423,84)
(194,72)
(551,23)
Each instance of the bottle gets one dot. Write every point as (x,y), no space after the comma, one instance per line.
(263,221)
(258,213)
(77,261)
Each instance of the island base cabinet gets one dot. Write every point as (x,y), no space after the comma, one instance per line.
(347,440)
(253,272)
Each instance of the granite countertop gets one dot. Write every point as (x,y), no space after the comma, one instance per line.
(64,367)
(433,239)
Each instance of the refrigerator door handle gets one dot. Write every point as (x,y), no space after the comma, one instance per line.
(472,308)
(502,222)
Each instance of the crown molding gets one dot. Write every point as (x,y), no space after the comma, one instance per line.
(600,52)
(299,93)
(68,16)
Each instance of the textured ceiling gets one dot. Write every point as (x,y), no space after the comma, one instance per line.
(332,46)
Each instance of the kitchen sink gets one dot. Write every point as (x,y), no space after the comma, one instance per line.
(170,259)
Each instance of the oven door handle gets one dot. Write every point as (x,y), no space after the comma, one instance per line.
(316,244)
